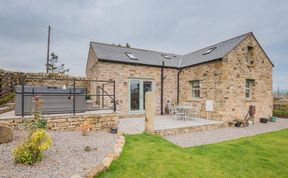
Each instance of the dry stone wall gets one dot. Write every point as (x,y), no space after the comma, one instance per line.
(16,77)
(99,122)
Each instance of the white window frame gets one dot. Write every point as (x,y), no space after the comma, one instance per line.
(248,88)
(195,88)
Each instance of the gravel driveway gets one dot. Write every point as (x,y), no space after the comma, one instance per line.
(223,134)
(65,158)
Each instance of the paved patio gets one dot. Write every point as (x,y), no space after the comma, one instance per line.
(136,125)
(224,134)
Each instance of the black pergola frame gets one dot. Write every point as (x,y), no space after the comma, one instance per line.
(74,80)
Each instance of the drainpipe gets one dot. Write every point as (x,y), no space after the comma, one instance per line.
(162,81)
(178,84)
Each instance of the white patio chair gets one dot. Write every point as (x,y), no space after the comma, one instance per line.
(179,112)
(195,111)
(170,108)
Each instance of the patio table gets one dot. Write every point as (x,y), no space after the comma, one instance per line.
(185,110)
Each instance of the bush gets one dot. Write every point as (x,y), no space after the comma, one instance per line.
(35,124)
(31,151)
(87,148)
(7,98)
(280,109)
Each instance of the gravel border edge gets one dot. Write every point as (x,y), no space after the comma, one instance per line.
(118,147)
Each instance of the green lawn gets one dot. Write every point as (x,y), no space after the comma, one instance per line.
(151,156)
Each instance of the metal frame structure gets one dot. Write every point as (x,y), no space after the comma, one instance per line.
(103,94)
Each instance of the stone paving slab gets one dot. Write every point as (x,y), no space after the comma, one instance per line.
(224,134)
(136,125)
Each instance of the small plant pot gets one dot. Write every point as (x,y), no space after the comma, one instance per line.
(273,119)
(114,130)
(238,124)
(250,123)
(264,120)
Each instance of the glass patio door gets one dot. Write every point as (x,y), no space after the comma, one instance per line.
(137,90)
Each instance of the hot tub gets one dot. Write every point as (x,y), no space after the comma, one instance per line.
(55,99)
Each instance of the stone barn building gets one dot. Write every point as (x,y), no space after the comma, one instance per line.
(233,74)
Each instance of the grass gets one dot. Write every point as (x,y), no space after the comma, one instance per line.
(151,156)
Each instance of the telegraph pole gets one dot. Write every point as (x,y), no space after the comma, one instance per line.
(48,49)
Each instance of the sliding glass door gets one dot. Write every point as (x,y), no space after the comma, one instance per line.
(137,90)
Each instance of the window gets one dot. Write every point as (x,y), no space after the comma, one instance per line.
(248,88)
(250,55)
(165,56)
(131,55)
(195,88)
(209,50)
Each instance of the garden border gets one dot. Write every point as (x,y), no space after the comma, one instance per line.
(118,148)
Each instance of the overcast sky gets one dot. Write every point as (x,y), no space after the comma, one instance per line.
(176,26)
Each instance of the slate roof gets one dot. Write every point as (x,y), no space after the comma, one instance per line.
(220,50)
(146,57)
(115,53)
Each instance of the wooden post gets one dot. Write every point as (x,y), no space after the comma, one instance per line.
(149,112)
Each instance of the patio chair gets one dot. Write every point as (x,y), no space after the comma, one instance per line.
(179,112)
(195,111)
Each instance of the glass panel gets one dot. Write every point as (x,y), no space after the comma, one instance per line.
(98,97)
(134,95)
(247,93)
(147,86)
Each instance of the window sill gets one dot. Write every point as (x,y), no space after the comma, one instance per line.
(194,99)
(250,100)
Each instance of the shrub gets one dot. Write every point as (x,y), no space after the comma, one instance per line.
(280,109)
(7,98)
(87,97)
(35,124)
(87,148)
(31,151)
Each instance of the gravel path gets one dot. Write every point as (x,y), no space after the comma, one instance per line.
(65,158)
(223,134)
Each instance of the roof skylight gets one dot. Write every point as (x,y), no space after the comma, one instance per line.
(131,55)
(209,50)
(165,56)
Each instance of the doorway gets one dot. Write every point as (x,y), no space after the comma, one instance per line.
(136,96)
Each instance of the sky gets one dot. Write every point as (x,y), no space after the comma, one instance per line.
(174,26)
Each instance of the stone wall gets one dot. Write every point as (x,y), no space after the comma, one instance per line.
(15,79)
(121,73)
(236,71)
(210,76)
(99,122)
(222,81)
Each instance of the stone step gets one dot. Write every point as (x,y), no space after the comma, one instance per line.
(189,129)
(6,109)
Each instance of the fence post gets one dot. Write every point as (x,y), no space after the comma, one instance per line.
(114,96)
(74,103)
(22,96)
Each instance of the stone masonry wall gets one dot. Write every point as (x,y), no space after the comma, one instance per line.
(99,122)
(236,71)
(210,76)
(222,81)
(15,79)
(121,73)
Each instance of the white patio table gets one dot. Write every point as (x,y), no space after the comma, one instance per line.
(185,110)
